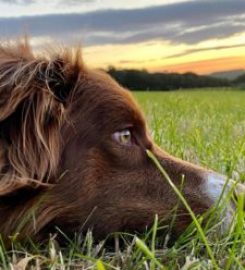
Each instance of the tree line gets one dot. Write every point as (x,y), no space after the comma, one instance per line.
(144,80)
(240,81)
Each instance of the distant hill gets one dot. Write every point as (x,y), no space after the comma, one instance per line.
(230,74)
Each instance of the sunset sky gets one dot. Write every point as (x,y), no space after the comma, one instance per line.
(202,36)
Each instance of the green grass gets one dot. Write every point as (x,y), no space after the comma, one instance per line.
(204,127)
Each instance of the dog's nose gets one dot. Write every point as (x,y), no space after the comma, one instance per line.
(218,188)
(216,185)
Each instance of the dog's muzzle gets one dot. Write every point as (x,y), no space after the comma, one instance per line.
(222,192)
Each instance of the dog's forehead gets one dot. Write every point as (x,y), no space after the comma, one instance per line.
(112,101)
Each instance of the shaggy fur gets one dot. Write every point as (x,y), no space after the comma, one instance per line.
(60,167)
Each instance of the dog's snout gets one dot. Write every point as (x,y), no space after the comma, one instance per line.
(216,185)
(219,189)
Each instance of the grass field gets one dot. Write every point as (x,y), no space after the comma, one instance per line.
(205,127)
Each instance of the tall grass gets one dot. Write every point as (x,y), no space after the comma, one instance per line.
(204,127)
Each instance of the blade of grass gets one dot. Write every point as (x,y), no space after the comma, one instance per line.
(100,265)
(239,264)
(3,256)
(91,259)
(238,230)
(188,208)
(142,246)
(153,240)
(154,233)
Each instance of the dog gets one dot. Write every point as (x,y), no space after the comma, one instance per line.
(73,153)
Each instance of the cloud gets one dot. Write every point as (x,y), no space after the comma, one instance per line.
(183,53)
(191,51)
(185,22)
(18,2)
(59,2)
(73,2)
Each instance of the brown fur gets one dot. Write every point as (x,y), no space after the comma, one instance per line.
(59,166)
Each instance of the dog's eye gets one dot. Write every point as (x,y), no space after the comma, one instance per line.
(123,137)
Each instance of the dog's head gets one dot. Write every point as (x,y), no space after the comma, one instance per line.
(73,153)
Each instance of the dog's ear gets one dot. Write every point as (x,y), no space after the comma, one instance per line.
(21,82)
(60,78)
(33,97)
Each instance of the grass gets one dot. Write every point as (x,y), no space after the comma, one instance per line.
(204,127)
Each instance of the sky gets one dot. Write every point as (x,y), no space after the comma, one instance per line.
(201,36)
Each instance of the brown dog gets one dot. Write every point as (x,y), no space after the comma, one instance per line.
(73,153)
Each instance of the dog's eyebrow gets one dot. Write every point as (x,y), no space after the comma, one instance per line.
(126,126)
